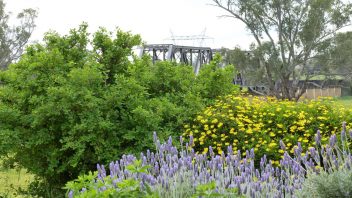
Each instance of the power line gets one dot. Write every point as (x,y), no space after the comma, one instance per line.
(195,38)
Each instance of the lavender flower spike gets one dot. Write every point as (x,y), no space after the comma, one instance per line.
(211,151)
(191,140)
(343,132)
(344,127)
(70,194)
(282,145)
(332,140)
(169,142)
(318,138)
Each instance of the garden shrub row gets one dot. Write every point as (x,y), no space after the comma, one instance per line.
(246,122)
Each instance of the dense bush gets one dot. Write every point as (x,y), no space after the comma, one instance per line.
(73,102)
(260,123)
(327,185)
(173,173)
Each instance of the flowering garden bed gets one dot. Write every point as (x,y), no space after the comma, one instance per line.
(180,172)
(260,123)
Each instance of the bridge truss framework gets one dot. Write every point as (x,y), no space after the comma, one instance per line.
(195,56)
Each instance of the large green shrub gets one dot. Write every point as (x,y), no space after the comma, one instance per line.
(73,102)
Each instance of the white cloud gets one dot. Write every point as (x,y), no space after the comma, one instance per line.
(152,19)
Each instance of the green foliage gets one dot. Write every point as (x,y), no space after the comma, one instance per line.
(325,185)
(127,188)
(336,62)
(71,103)
(113,53)
(206,190)
(213,80)
(137,167)
(247,64)
(83,181)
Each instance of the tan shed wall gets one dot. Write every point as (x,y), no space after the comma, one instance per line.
(325,92)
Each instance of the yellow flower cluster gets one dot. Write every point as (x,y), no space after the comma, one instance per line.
(246,122)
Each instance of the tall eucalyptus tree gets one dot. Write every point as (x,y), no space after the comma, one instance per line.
(288,35)
(14,38)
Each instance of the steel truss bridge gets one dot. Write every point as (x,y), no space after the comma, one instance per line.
(194,56)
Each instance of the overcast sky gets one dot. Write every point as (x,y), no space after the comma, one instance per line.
(154,20)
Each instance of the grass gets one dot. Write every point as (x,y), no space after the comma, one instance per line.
(12,179)
(345,101)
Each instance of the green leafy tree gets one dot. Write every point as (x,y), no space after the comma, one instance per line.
(288,35)
(14,38)
(247,65)
(56,107)
(73,102)
(338,57)
(336,62)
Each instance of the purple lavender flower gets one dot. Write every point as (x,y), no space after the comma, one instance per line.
(103,188)
(219,167)
(332,140)
(101,172)
(343,132)
(312,152)
(335,161)
(191,140)
(299,147)
(344,126)
(148,154)
(318,138)
(142,186)
(157,144)
(169,142)
(70,194)
(229,150)
(282,145)
(211,151)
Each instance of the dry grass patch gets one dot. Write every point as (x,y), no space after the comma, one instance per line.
(13,179)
